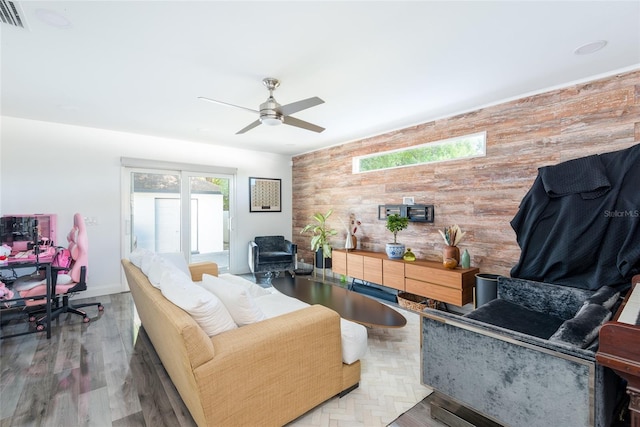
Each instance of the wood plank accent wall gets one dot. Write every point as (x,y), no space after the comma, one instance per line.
(480,195)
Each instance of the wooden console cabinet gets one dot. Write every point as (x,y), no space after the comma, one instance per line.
(426,278)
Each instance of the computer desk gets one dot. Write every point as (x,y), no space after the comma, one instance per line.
(11,264)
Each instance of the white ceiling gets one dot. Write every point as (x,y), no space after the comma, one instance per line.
(139,66)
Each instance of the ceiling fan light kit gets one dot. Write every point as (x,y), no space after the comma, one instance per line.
(271,121)
(272,114)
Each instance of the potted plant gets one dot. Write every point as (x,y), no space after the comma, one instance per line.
(320,241)
(394,224)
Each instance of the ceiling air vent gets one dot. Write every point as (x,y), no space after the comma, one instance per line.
(10,13)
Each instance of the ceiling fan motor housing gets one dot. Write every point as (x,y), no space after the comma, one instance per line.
(270,112)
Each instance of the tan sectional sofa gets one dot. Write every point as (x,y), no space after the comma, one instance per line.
(267,373)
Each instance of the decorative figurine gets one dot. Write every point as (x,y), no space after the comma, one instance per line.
(465,259)
(409,256)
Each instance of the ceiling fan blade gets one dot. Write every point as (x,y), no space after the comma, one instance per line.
(294,107)
(248,127)
(227,104)
(292,121)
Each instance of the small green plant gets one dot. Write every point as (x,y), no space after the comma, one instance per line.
(321,233)
(396,223)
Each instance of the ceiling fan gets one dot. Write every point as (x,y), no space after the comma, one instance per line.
(272,114)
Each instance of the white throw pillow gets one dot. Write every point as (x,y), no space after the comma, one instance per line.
(256,291)
(145,263)
(158,266)
(177,259)
(203,306)
(136,256)
(240,304)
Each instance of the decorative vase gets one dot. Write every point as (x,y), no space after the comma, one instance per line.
(449,263)
(349,243)
(409,256)
(451,252)
(395,250)
(465,259)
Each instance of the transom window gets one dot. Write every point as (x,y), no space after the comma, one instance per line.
(462,147)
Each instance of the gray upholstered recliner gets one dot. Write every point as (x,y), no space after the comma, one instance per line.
(526,358)
(271,255)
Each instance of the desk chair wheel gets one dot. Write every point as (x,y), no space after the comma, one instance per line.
(32,318)
(86,319)
(40,327)
(100,307)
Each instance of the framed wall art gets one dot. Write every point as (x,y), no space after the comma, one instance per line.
(265,195)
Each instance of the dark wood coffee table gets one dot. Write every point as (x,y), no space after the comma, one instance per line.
(348,304)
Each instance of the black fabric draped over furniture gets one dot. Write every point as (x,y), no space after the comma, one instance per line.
(579,224)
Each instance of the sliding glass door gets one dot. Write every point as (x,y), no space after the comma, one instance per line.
(179,211)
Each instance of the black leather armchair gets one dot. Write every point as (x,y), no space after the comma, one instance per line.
(271,255)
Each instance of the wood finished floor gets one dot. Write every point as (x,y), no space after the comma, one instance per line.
(102,373)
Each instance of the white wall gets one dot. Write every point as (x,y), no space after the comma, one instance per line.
(62,169)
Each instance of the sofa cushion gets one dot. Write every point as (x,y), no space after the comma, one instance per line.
(236,299)
(353,336)
(582,329)
(207,310)
(505,314)
(559,301)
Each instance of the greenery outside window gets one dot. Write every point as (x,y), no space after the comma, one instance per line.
(462,147)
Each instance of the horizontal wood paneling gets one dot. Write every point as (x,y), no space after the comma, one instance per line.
(480,195)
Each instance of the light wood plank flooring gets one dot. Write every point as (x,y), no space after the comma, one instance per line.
(102,373)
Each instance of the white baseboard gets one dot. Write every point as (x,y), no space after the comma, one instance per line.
(98,291)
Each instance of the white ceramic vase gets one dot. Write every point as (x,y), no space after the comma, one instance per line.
(348,243)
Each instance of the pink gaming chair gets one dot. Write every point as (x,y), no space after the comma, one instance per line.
(66,282)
